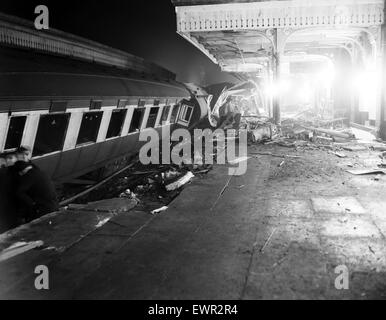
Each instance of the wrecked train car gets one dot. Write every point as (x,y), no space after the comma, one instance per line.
(80,105)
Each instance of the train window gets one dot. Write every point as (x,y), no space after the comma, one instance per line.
(173,118)
(187,113)
(90,127)
(136,121)
(51,134)
(152,117)
(15,132)
(116,123)
(165,114)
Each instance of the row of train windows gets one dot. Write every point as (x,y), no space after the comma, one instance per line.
(52,128)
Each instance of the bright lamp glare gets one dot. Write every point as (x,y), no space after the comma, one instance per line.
(326,77)
(278,88)
(271,90)
(305,93)
(366,85)
(284,86)
(366,81)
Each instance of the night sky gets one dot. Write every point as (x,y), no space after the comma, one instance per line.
(146,28)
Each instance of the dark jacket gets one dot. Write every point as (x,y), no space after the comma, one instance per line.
(36,193)
(8,211)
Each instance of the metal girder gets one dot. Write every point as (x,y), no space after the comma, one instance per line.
(246,37)
(279,14)
(235,33)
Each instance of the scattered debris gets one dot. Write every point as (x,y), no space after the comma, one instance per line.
(355,148)
(340,155)
(180,182)
(238,160)
(102,223)
(129,195)
(377,178)
(360,172)
(170,174)
(379,148)
(19,248)
(113,205)
(322,140)
(260,131)
(164,208)
(275,155)
(332,133)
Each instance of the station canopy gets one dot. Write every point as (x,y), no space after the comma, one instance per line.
(243,36)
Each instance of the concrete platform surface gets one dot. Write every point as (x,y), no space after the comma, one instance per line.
(278,232)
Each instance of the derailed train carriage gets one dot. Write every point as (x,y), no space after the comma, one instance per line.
(80,105)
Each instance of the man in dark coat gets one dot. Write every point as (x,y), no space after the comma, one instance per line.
(24,153)
(35,191)
(8,212)
(4,225)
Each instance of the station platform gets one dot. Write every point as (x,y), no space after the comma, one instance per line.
(277,232)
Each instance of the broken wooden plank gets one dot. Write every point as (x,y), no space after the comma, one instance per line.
(164,208)
(340,155)
(361,172)
(180,182)
(332,133)
(354,148)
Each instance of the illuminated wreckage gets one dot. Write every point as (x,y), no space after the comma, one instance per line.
(242,106)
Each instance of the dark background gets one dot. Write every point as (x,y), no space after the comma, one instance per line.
(146,28)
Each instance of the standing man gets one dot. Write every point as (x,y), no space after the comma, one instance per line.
(9,217)
(35,191)
(3,195)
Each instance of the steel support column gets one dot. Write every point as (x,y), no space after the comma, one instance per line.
(279,38)
(276,97)
(382,114)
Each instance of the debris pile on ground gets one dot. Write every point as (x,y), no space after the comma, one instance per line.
(310,126)
(259,129)
(151,187)
(358,150)
(305,126)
